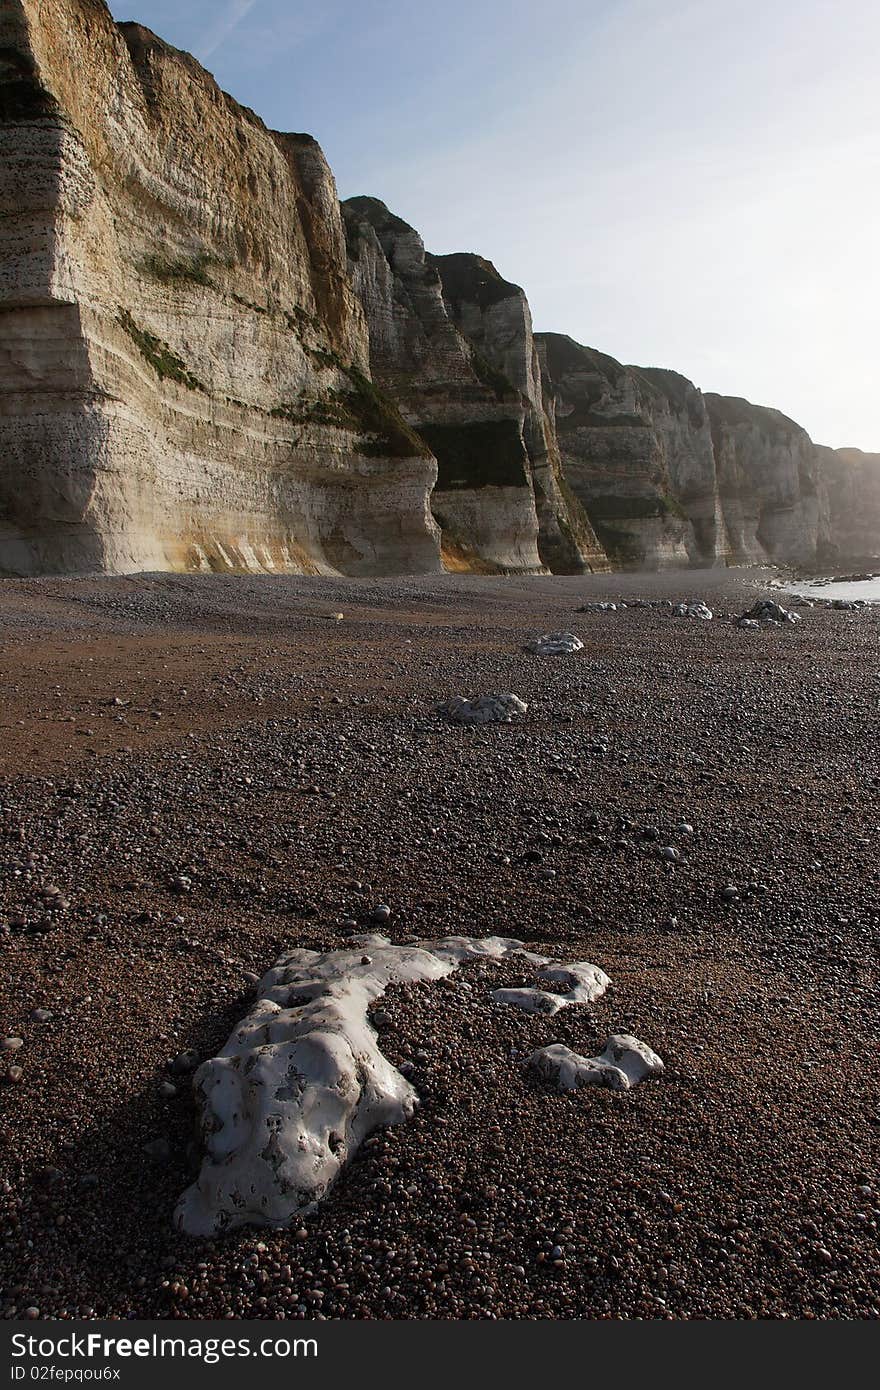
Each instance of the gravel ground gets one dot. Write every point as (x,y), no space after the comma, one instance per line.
(234,732)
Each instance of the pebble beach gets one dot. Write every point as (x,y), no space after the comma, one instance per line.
(198,773)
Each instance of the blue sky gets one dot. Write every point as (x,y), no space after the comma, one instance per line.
(682,183)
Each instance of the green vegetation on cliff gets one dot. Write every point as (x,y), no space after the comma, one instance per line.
(360,408)
(165,363)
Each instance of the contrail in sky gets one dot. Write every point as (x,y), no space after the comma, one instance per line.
(236,11)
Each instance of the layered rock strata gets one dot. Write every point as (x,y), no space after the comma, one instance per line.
(461,364)
(636,450)
(185,364)
(494,316)
(770,482)
(206,364)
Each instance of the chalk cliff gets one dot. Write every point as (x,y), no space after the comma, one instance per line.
(770,482)
(206,363)
(495,318)
(636,449)
(452,342)
(851,486)
(184,362)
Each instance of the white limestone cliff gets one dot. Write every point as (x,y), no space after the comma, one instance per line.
(184,362)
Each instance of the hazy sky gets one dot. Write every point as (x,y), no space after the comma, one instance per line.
(682,183)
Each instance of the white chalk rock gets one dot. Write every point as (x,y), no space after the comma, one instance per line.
(301,1081)
(693,610)
(768,611)
(622,1064)
(582,983)
(456,949)
(554,644)
(488,709)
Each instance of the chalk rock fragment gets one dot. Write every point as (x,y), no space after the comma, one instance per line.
(301,1080)
(622,1064)
(487,709)
(766,610)
(693,610)
(554,644)
(580,983)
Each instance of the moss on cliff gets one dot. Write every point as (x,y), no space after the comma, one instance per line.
(621,546)
(165,363)
(490,376)
(180,269)
(360,408)
(376,415)
(313,412)
(487,453)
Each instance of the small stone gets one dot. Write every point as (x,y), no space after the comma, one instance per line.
(184,1062)
(381,913)
(41,1015)
(11,1044)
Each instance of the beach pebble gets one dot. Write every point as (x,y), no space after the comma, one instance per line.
(184,1062)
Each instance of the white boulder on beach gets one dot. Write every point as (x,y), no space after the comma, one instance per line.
(302,1080)
(487,709)
(694,608)
(554,644)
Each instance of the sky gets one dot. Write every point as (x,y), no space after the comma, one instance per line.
(691,184)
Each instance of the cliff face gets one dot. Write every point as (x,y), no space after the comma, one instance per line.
(494,316)
(460,361)
(184,360)
(483,499)
(770,482)
(205,365)
(851,485)
(636,449)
